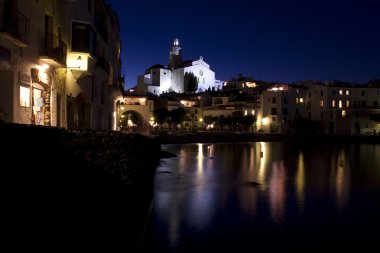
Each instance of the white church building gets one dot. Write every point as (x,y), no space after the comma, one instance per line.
(179,76)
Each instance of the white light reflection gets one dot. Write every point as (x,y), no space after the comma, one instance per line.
(300,181)
(342,181)
(202,195)
(200,159)
(277,193)
(262,159)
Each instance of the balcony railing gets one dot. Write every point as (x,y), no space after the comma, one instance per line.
(14,25)
(53,48)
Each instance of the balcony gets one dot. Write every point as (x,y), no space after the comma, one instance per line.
(53,50)
(14,25)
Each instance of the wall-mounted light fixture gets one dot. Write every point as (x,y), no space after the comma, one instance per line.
(78,63)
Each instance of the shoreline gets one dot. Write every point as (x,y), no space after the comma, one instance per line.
(226,137)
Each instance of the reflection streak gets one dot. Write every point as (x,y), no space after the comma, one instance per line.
(300,181)
(277,193)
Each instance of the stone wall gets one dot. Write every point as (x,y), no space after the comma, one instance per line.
(80,188)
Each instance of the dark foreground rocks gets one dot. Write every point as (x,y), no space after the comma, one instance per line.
(75,190)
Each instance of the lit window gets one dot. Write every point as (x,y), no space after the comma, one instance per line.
(253,112)
(245,112)
(321,104)
(24,96)
(340,92)
(301,100)
(297,100)
(348,103)
(333,103)
(347,92)
(340,104)
(343,113)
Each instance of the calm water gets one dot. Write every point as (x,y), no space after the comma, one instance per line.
(314,197)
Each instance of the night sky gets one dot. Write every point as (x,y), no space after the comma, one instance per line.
(283,41)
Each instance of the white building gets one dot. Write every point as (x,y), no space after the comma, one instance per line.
(178,76)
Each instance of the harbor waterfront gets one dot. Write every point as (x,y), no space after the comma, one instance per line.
(241,197)
(93,189)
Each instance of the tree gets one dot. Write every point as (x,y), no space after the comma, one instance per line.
(375,117)
(208,120)
(160,115)
(177,116)
(237,118)
(191,82)
(248,121)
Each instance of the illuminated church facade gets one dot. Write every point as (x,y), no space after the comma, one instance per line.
(178,76)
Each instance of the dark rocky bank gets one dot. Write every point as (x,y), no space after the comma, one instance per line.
(76,190)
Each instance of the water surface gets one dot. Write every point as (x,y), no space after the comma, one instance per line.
(243,197)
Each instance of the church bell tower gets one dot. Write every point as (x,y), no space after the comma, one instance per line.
(175,57)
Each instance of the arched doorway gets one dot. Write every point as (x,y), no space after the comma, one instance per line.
(131,121)
(77,112)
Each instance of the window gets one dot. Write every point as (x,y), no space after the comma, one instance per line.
(347,92)
(321,115)
(285,100)
(333,103)
(273,100)
(285,111)
(340,92)
(375,104)
(343,113)
(83,39)
(321,93)
(340,104)
(333,92)
(100,21)
(297,101)
(274,111)
(364,104)
(347,103)
(24,96)
(321,103)
(301,100)
(253,112)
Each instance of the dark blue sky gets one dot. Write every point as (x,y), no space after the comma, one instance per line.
(280,40)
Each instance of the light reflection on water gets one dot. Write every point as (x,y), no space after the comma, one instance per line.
(206,196)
